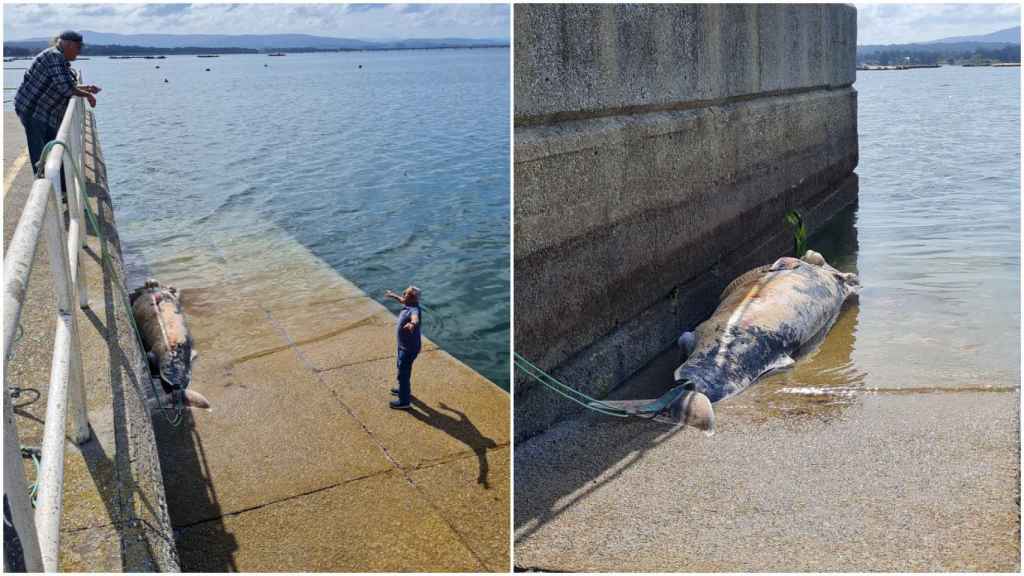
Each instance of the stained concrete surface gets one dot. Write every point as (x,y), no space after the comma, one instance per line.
(873,479)
(301,465)
(576,60)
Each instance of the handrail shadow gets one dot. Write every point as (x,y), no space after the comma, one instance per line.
(184,455)
(114,476)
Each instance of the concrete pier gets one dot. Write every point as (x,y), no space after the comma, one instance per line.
(657,149)
(300,465)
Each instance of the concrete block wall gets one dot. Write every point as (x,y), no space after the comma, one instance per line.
(657,148)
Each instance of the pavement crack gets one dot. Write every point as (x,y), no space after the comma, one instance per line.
(78,529)
(380,445)
(369,360)
(283,499)
(461,455)
(395,465)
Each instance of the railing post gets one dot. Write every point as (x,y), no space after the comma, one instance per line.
(68,263)
(50,499)
(51,470)
(79,158)
(80,429)
(70,134)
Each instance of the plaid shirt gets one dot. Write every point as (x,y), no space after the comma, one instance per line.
(46,89)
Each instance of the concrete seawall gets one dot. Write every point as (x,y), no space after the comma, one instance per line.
(657,149)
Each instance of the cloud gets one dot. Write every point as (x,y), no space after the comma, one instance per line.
(414,8)
(905,23)
(356,8)
(367,21)
(160,10)
(96,11)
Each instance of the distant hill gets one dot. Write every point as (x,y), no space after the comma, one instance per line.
(1007,36)
(932,48)
(262,42)
(1000,46)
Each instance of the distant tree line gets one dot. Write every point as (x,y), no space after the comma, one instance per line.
(899,55)
(119,50)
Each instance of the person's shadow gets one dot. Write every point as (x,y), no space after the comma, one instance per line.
(461,428)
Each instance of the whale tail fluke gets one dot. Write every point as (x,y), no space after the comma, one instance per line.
(678,406)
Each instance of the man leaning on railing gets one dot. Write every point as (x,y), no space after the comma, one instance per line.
(45,91)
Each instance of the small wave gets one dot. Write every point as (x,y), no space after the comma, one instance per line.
(851,392)
(809,391)
(244,197)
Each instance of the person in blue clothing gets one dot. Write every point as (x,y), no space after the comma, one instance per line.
(409,324)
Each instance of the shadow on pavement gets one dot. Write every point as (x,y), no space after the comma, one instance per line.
(461,428)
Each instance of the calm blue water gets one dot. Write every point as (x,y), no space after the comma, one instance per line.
(938,227)
(393,173)
(935,239)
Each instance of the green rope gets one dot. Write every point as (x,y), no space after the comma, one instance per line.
(108,262)
(33,489)
(564,391)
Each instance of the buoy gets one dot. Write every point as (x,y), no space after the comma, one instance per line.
(207,69)
(360,65)
(158,67)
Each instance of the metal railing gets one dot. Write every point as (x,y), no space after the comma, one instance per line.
(39,531)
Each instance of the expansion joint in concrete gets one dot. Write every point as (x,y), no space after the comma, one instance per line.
(367,361)
(295,344)
(679,106)
(461,455)
(282,500)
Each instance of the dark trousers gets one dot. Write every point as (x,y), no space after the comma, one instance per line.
(405,360)
(38,134)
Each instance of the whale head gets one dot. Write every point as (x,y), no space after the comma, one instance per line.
(693,409)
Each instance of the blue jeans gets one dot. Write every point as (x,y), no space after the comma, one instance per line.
(405,360)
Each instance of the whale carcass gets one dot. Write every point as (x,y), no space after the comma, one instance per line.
(765,319)
(168,342)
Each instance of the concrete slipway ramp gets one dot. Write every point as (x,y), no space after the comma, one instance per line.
(301,466)
(887,480)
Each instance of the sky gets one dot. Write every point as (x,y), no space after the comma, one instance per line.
(876,23)
(367,21)
(906,23)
